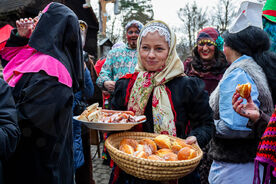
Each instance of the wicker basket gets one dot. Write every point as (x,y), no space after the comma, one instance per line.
(149,169)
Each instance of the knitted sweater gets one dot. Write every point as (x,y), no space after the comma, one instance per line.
(241,150)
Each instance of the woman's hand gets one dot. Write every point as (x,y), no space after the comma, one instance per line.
(248,110)
(25,27)
(109,85)
(191,140)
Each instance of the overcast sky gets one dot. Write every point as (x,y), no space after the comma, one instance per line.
(166,10)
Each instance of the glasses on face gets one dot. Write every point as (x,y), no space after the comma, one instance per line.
(131,32)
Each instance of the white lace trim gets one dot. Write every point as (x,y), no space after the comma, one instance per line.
(161,28)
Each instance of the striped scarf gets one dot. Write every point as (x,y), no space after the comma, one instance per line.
(267,151)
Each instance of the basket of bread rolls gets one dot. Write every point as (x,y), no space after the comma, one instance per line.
(153,156)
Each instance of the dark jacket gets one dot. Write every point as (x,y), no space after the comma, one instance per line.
(79,100)
(193,113)
(9,130)
(44,104)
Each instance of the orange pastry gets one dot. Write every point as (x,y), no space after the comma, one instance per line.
(130,142)
(244,90)
(141,154)
(144,148)
(170,157)
(186,153)
(178,144)
(149,143)
(163,141)
(155,157)
(162,152)
(127,149)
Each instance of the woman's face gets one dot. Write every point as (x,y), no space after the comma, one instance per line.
(154,50)
(206,50)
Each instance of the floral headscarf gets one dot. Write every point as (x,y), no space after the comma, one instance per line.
(148,82)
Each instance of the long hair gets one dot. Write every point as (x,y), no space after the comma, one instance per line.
(255,42)
(217,67)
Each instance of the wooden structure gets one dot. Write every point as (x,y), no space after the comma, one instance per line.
(104,47)
(103,13)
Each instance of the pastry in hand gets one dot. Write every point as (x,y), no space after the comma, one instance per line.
(186,153)
(244,90)
(163,141)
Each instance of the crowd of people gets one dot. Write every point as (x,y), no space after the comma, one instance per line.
(48,79)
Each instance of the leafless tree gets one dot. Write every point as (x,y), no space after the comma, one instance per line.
(223,14)
(194,19)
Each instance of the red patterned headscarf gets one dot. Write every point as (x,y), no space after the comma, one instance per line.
(212,35)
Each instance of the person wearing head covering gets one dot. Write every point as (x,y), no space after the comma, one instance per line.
(246,47)
(207,61)
(119,61)
(269,22)
(122,60)
(81,145)
(44,66)
(160,90)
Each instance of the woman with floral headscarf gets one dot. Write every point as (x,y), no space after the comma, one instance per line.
(207,61)
(160,90)
(44,67)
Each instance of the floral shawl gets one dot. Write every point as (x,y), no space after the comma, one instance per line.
(148,82)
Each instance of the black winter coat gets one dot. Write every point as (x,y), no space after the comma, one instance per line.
(9,130)
(191,103)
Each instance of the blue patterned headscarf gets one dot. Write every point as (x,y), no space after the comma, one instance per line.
(135,23)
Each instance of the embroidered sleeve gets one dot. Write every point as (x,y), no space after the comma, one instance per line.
(106,72)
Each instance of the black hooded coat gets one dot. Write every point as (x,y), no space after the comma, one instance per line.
(45,152)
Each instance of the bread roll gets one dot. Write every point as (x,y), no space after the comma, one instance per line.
(94,116)
(141,154)
(179,144)
(155,157)
(130,142)
(145,148)
(163,141)
(186,153)
(127,149)
(170,157)
(149,143)
(162,152)
(244,90)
